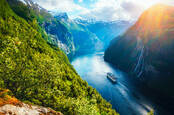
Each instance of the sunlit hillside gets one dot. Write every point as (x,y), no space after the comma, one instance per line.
(155,22)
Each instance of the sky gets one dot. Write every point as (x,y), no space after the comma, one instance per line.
(106,10)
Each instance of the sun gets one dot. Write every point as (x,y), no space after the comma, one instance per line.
(149,3)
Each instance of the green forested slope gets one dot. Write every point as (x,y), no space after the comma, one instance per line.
(58,34)
(41,74)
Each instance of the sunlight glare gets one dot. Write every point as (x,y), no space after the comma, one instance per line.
(149,3)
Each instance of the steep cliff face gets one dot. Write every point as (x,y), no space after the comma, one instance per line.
(85,41)
(60,36)
(146,49)
(57,32)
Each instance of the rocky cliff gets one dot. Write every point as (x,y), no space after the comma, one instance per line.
(146,49)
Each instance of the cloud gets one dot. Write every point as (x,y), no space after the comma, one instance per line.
(113,10)
(131,9)
(121,9)
(101,9)
(61,5)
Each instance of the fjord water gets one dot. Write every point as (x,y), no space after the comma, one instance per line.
(123,96)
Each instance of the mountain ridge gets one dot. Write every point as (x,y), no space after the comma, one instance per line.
(146,49)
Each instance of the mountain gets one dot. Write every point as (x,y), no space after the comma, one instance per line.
(37,72)
(74,37)
(91,35)
(58,34)
(106,31)
(85,41)
(147,49)
(62,16)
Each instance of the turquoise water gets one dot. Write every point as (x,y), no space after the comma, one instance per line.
(123,96)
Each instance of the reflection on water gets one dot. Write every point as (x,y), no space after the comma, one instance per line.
(123,96)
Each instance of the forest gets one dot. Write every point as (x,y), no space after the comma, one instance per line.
(38,72)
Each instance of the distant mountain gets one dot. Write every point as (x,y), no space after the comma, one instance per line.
(62,16)
(91,35)
(106,31)
(147,49)
(85,41)
(85,21)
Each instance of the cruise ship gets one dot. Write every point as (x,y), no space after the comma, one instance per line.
(111,77)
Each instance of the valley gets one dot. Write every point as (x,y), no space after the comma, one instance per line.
(57,62)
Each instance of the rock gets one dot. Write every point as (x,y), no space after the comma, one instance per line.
(26,109)
(9,105)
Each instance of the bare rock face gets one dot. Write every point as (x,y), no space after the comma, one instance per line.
(26,109)
(9,105)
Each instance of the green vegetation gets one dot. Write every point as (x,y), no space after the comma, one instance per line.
(40,73)
(31,15)
(51,29)
(151,112)
(22,11)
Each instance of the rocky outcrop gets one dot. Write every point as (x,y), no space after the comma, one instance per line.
(146,49)
(25,109)
(9,105)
